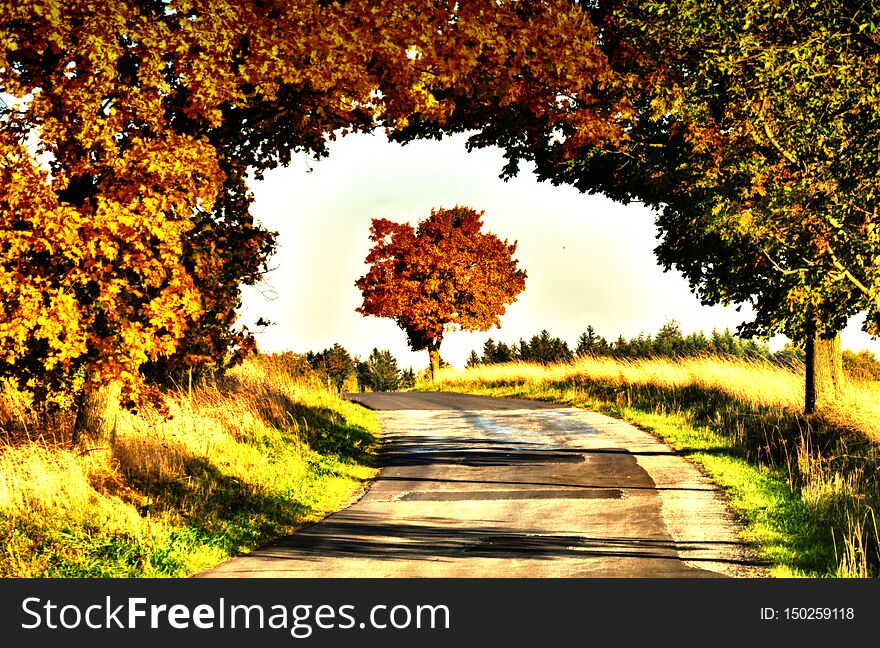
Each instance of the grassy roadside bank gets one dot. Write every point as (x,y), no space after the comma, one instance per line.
(806,488)
(240,462)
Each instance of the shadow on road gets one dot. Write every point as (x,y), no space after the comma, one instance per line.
(366,536)
(506,482)
(480,452)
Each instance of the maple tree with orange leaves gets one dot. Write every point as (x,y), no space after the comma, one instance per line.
(442,275)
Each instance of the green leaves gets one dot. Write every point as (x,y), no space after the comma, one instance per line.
(754,136)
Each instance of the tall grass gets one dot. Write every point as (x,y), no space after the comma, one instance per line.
(226,467)
(806,487)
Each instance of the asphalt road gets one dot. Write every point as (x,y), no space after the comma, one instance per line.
(474,486)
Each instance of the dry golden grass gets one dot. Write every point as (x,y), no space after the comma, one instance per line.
(755,382)
(38,470)
(261,438)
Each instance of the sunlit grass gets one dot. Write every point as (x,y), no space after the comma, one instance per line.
(238,462)
(805,487)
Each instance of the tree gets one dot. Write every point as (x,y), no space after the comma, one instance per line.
(489,350)
(669,340)
(497,353)
(473,360)
(407,378)
(696,344)
(444,274)
(590,343)
(544,349)
(863,365)
(335,363)
(124,233)
(760,147)
(770,177)
(752,131)
(96,203)
(621,347)
(379,371)
(122,225)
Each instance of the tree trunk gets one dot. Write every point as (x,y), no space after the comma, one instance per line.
(824,383)
(434,356)
(97,408)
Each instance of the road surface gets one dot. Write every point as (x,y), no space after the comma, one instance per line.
(474,486)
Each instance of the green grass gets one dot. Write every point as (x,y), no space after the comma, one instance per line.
(252,459)
(804,489)
(191,523)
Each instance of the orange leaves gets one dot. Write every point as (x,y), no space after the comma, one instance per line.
(98,186)
(445,273)
(123,209)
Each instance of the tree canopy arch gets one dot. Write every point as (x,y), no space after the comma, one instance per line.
(130,129)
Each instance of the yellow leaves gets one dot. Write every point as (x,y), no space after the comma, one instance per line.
(132,99)
(21,305)
(745,222)
(60,325)
(173,173)
(669,102)
(39,311)
(98,276)
(130,257)
(49,10)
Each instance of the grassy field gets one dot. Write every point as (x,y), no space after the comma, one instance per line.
(238,462)
(806,488)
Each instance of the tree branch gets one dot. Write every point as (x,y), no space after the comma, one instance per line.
(849,275)
(780,268)
(791,157)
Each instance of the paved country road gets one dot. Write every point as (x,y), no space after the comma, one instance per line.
(474,486)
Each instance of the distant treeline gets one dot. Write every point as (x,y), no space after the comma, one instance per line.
(336,368)
(668,342)
(341,371)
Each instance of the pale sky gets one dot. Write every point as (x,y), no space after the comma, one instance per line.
(589,260)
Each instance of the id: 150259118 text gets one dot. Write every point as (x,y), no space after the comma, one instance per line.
(808,614)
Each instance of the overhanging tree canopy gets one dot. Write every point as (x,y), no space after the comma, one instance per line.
(751,127)
(757,140)
(125,230)
(769,111)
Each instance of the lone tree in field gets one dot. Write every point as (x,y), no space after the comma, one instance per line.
(443,274)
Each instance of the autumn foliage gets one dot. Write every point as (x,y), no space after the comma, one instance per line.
(127,131)
(107,177)
(445,273)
